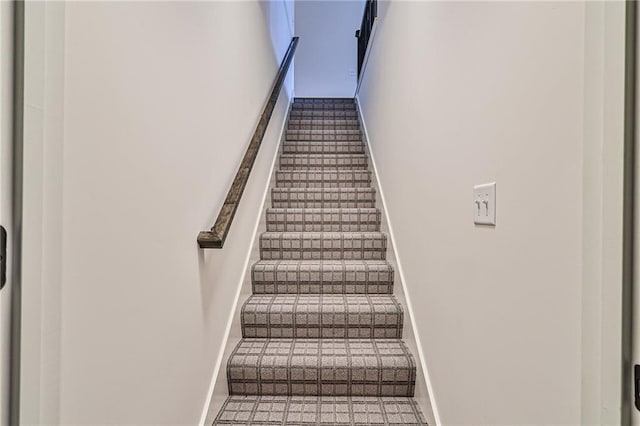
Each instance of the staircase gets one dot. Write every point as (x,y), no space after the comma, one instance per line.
(322,331)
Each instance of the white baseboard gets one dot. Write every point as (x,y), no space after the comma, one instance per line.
(223,347)
(430,411)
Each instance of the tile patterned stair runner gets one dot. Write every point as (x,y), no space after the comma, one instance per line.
(322,332)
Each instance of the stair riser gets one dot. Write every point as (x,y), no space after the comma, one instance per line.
(323,115)
(297,203)
(349,331)
(323,125)
(319,179)
(323,184)
(321,167)
(322,316)
(313,221)
(319,198)
(345,254)
(322,278)
(341,387)
(322,128)
(323,107)
(288,287)
(323,227)
(301,100)
(322,247)
(322,148)
(307,136)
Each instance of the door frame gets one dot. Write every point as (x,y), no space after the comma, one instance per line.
(629,263)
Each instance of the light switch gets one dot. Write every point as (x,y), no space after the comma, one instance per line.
(484,204)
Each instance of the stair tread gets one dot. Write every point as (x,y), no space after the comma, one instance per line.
(322,277)
(320,121)
(322,131)
(366,367)
(349,143)
(262,410)
(320,303)
(322,156)
(314,410)
(323,106)
(324,190)
(324,235)
(303,99)
(324,210)
(324,114)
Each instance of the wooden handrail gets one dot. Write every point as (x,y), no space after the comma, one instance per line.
(217,235)
(364,33)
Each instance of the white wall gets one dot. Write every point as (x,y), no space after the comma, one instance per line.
(602,213)
(142,134)
(327,53)
(463,93)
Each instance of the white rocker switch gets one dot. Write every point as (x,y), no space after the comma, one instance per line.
(484,204)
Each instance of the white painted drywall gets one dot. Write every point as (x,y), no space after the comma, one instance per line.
(463,93)
(328,47)
(42,212)
(143,133)
(602,213)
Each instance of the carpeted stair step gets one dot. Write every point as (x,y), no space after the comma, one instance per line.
(324,135)
(323,197)
(332,367)
(298,114)
(320,124)
(322,277)
(307,147)
(337,106)
(322,330)
(323,220)
(325,178)
(254,410)
(323,161)
(332,316)
(323,246)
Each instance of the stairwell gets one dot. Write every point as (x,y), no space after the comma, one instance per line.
(322,332)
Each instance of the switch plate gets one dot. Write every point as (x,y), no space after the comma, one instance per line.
(352,73)
(484,204)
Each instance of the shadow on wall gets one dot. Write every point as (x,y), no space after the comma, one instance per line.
(280,17)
